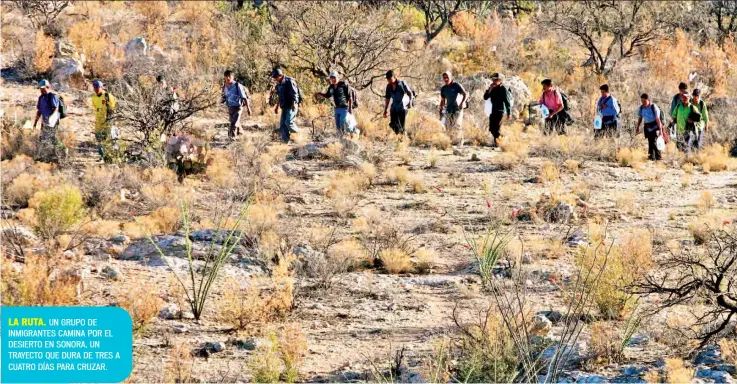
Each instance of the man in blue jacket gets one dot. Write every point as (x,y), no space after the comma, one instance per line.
(289,100)
(47,109)
(608,107)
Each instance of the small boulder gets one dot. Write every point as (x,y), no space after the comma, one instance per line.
(111,272)
(541,326)
(179,328)
(170,311)
(136,48)
(121,240)
(68,72)
(64,48)
(214,347)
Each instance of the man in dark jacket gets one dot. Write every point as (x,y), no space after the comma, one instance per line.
(341,94)
(500,105)
(288,92)
(47,109)
(396,90)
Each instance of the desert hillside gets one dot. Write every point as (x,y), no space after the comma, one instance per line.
(437,255)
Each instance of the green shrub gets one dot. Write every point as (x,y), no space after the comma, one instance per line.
(57,210)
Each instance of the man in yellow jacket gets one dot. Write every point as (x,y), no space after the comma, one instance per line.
(104,105)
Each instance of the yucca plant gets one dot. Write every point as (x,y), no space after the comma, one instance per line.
(487,250)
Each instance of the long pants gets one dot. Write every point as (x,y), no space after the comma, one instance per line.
(234,115)
(340,115)
(454,125)
(700,141)
(556,124)
(689,141)
(396,120)
(287,123)
(608,129)
(651,133)
(49,145)
(495,125)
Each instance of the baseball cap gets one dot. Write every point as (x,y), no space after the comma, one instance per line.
(497,75)
(696,92)
(97,84)
(334,74)
(43,83)
(276,72)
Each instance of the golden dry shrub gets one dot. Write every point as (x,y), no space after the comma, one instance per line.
(395,260)
(728,348)
(41,280)
(424,260)
(347,252)
(279,359)
(155,15)
(428,131)
(56,210)
(369,170)
(715,158)
(416,184)
(102,57)
(626,202)
(141,303)
(261,218)
(549,172)
(677,372)
(22,188)
(346,184)
(220,169)
(333,151)
(630,157)
(705,202)
(178,366)
(606,342)
(372,129)
(44,52)
(702,229)
(398,175)
(102,228)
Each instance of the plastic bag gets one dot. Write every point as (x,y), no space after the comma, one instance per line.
(660,143)
(598,121)
(405,101)
(487,107)
(544,111)
(350,123)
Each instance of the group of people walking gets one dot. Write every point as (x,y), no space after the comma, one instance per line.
(689,115)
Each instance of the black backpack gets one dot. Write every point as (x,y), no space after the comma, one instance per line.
(62,105)
(564,96)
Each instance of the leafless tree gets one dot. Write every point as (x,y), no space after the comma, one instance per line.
(323,36)
(41,12)
(610,30)
(146,111)
(725,15)
(699,276)
(438,14)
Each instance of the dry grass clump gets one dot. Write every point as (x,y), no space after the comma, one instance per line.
(372,129)
(476,136)
(429,131)
(141,303)
(44,53)
(178,367)
(705,202)
(583,191)
(333,151)
(572,165)
(416,184)
(42,280)
(424,260)
(617,267)
(626,202)
(715,158)
(729,349)
(220,169)
(102,228)
(677,372)
(398,175)
(514,152)
(606,342)
(630,157)
(102,58)
(688,168)
(704,226)
(263,300)
(395,260)
(347,184)
(549,172)
(279,360)
(432,158)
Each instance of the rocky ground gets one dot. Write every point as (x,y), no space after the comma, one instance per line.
(355,327)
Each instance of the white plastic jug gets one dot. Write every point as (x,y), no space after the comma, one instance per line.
(597,121)
(544,111)
(487,107)
(405,100)
(660,143)
(350,123)
(459,99)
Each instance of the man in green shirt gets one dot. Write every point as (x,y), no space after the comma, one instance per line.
(686,116)
(702,125)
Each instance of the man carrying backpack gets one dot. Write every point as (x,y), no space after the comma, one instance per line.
(686,116)
(449,106)
(682,89)
(47,109)
(702,125)
(104,104)
(341,94)
(651,114)
(396,90)
(500,105)
(289,100)
(235,98)
(552,99)
(608,107)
